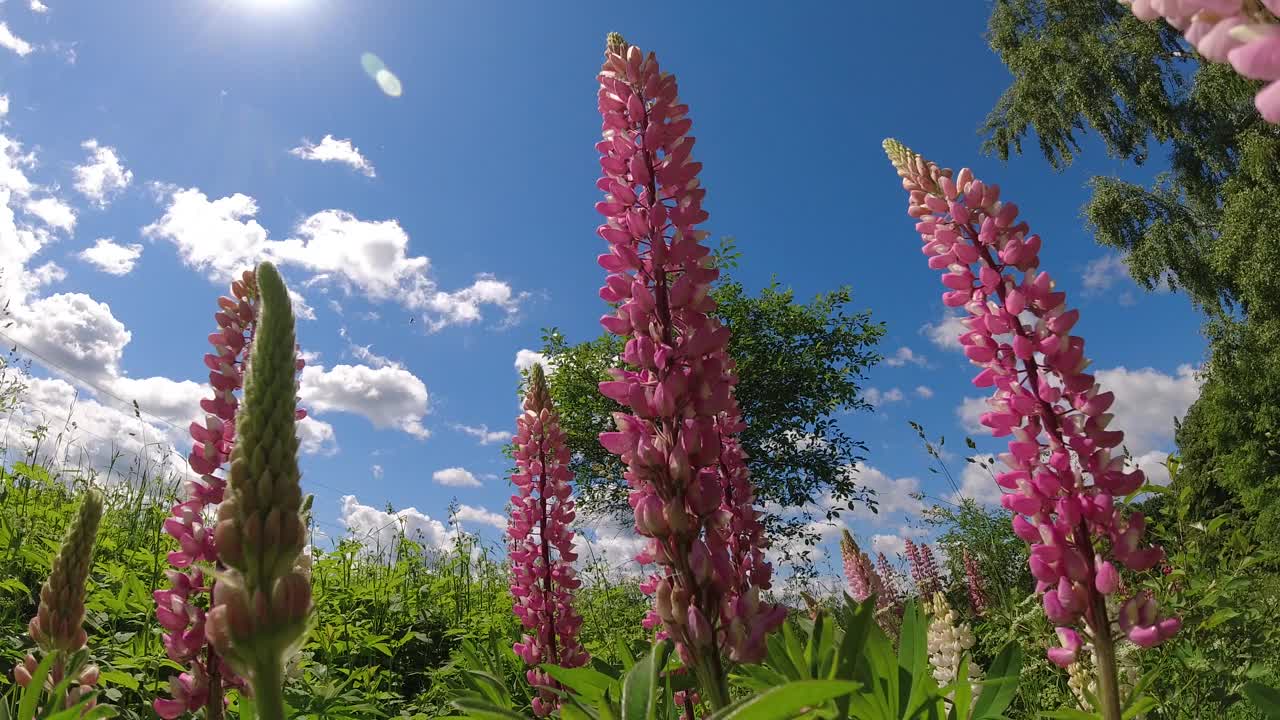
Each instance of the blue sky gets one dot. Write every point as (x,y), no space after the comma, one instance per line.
(181,140)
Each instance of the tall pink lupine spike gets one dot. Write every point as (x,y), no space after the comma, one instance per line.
(975,583)
(180,609)
(924,569)
(690,488)
(1062,477)
(541,544)
(1245,34)
(858,572)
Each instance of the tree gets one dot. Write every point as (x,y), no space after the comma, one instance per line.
(799,366)
(1205,226)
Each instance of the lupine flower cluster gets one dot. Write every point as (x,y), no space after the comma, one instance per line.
(1245,33)
(262,600)
(58,627)
(974,582)
(1063,476)
(858,573)
(179,609)
(541,544)
(948,641)
(689,485)
(924,568)
(864,580)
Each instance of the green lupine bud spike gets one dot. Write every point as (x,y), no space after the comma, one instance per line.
(59,622)
(539,396)
(261,604)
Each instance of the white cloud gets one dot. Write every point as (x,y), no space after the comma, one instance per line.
(53,212)
(891,494)
(102,177)
(301,310)
(376,471)
(903,356)
(379,530)
(482,516)
(111,257)
(526,358)
(222,236)
(219,236)
(946,332)
(330,149)
(924,391)
(976,483)
(316,437)
(455,477)
(484,434)
(38,7)
(366,354)
(82,434)
(1147,401)
(12,42)
(388,397)
(876,397)
(177,401)
(1102,273)
(970,412)
(609,545)
(74,331)
(890,545)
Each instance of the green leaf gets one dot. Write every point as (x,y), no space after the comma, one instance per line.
(480,709)
(32,693)
(588,683)
(1001,683)
(785,701)
(638,687)
(1266,699)
(1218,618)
(1139,706)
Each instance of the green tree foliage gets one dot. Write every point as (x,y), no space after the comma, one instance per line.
(1205,226)
(799,364)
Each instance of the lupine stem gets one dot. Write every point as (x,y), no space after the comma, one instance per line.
(268,689)
(1105,654)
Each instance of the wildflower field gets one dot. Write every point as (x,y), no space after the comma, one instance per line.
(692,520)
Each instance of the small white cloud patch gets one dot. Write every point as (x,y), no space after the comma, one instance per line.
(455,477)
(331,149)
(111,257)
(102,177)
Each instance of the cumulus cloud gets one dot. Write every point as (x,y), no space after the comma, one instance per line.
(1147,401)
(609,547)
(904,356)
(365,354)
(389,397)
(481,516)
(977,483)
(111,257)
(379,531)
(9,41)
(526,358)
(376,471)
(1104,272)
(877,397)
(331,149)
(892,494)
(890,545)
(38,7)
(370,257)
(74,331)
(970,413)
(316,437)
(924,391)
(455,477)
(946,332)
(52,212)
(102,176)
(484,434)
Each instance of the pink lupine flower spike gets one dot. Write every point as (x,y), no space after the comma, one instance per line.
(1063,475)
(690,488)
